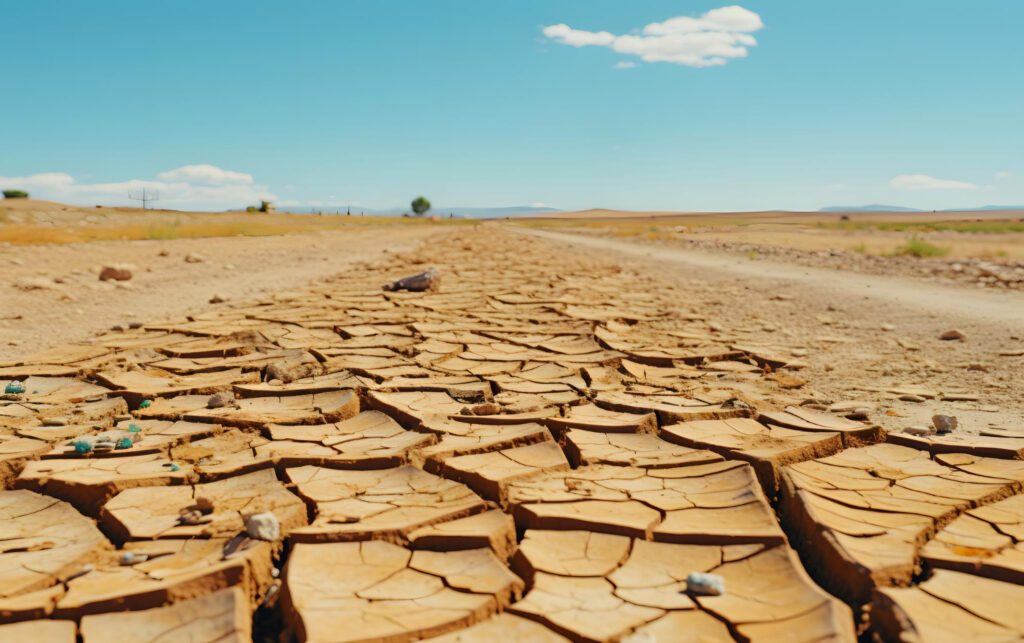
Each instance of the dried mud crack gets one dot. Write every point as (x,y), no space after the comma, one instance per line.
(541,449)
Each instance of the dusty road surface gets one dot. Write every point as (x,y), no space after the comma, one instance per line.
(855,332)
(559,442)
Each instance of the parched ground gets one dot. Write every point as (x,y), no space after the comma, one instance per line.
(543,449)
(52,292)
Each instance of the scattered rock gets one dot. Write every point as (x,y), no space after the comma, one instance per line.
(703,584)
(133,558)
(919,430)
(217,400)
(488,408)
(959,397)
(263,526)
(194,257)
(296,369)
(953,335)
(944,423)
(204,505)
(163,253)
(115,273)
(55,421)
(217,299)
(35,283)
(888,326)
(192,516)
(14,388)
(429,280)
(788,381)
(912,398)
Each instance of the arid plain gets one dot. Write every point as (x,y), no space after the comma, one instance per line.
(241,435)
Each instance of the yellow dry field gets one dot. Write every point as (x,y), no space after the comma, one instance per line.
(33,222)
(985,235)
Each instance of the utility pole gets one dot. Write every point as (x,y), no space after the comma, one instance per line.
(145,197)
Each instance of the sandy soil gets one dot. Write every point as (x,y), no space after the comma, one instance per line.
(52,293)
(861,336)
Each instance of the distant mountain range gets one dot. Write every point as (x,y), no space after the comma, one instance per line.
(460,212)
(896,208)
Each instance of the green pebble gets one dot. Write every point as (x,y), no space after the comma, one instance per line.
(175,467)
(124,443)
(82,447)
(134,428)
(144,404)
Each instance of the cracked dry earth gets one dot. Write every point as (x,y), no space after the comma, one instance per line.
(540,450)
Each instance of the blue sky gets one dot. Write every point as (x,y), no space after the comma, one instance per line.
(914,103)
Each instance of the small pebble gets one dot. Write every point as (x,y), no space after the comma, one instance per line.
(263,526)
(944,423)
(705,584)
(14,388)
(912,398)
(204,504)
(919,430)
(217,400)
(131,558)
(953,335)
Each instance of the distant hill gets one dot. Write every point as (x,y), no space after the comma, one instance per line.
(1000,207)
(896,208)
(460,212)
(868,208)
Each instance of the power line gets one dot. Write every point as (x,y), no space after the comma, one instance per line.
(145,197)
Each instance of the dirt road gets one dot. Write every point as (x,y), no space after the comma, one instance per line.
(861,336)
(931,299)
(52,293)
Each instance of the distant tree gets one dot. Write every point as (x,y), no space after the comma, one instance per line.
(266,206)
(21,194)
(251,208)
(420,205)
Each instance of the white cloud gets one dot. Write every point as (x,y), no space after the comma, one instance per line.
(191,186)
(208,174)
(1003,175)
(925,182)
(712,39)
(731,18)
(538,204)
(622,64)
